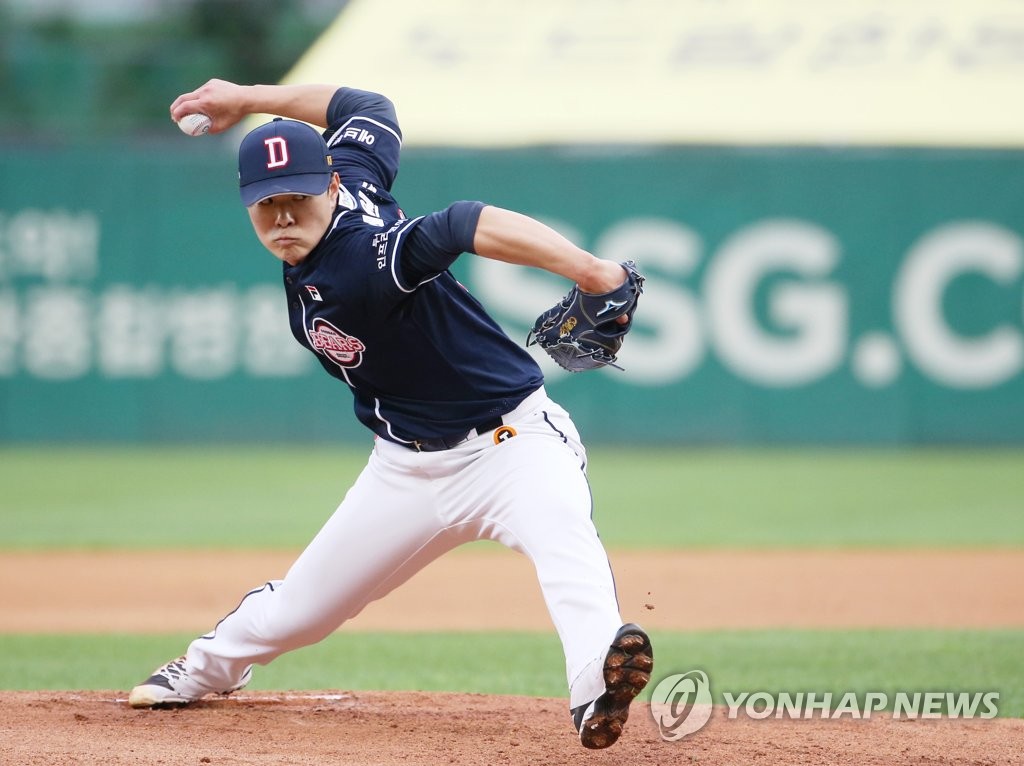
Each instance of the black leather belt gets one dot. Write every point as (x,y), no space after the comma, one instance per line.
(441,443)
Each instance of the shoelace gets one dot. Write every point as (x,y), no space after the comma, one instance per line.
(173,670)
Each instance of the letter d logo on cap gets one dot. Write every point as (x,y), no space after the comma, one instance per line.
(277,152)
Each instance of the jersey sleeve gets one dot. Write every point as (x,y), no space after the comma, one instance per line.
(436,240)
(363,130)
(347,102)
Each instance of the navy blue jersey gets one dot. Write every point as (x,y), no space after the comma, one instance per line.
(375,302)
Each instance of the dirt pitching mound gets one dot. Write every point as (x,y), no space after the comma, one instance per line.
(60,728)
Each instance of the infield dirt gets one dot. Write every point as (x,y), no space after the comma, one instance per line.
(489,588)
(679,590)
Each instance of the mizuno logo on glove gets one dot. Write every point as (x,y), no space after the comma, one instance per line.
(611,306)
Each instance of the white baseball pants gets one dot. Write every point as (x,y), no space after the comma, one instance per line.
(528,492)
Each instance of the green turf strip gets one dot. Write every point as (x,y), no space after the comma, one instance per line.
(889,661)
(278,497)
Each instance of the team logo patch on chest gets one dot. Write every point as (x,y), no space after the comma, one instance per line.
(342,349)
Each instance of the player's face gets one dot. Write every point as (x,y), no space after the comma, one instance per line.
(291,225)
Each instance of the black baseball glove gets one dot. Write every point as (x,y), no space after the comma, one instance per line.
(581,332)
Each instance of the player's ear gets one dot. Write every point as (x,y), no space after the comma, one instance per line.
(333,186)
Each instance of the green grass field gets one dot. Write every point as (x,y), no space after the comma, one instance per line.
(109,498)
(531,663)
(278,497)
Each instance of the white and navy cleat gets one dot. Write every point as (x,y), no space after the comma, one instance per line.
(627,670)
(171,686)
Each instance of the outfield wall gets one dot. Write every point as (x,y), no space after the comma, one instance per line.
(794,296)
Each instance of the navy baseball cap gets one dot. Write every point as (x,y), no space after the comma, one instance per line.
(282,157)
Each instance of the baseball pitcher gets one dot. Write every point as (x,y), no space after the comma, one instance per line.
(467,444)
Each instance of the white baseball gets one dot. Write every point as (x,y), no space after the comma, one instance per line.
(195,124)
